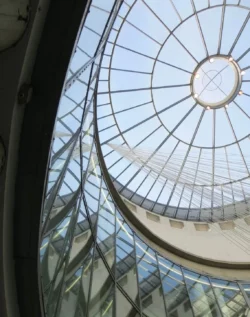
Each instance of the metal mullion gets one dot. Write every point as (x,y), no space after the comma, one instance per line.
(171,32)
(176,11)
(211,285)
(124,110)
(186,156)
(113,150)
(196,172)
(239,34)
(221,26)
(237,141)
(145,120)
(141,89)
(161,144)
(78,47)
(185,283)
(139,186)
(48,204)
(134,148)
(243,55)
(91,30)
(244,294)
(126,70)
(230,180)
(115,270)
(222,198)
(245,68)
(137,274)
(138,29)
(72,225)
(213,163)
(242,109)
(152,58)
(199,27)
(159,174)
(179,202)
(111,126)
(65,125)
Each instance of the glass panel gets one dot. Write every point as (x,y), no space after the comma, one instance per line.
(201,295)
(106,228)
(102,290)
(174,289)
(246,288)
(229,297)
(126,273)
(84,286)
(149,281)
(123,306)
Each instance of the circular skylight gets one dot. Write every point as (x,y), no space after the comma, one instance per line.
(173,107)
(216,81)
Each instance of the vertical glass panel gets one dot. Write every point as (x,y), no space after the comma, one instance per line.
(102,290)
(126,273)
(76,288)
(246,288)
(149,281)
(92,187)
(70,295)
(54,246)
(83,295)
(201,295)
(106,228)
(229,297)
(55,292)
(123,306)
(174,289)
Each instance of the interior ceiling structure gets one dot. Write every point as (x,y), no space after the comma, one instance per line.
(173,107)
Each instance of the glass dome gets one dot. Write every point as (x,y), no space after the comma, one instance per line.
(173,107)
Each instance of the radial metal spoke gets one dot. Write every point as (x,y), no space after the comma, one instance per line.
(152,58)
(127,70)
(213,163)
(199,27)
(175,9)
(245,68)
(144,33)
(145,120)
(141,89)
(161,144)
(232,128)
(239,34)
(124,110)
(160,173)
(185,158)
(132,151)
(243,55)
(221,26)
(242,109)
(195,176)
(171,32)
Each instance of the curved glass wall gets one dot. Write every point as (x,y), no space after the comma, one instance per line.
(91,262)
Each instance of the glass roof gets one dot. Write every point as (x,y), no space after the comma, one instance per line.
(173,107)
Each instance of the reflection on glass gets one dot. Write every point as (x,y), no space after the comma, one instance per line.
(229,297)
(174,289)
(149,281)
(201,295)
(102,290)
(126,273)
(123,306)
(106,228)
